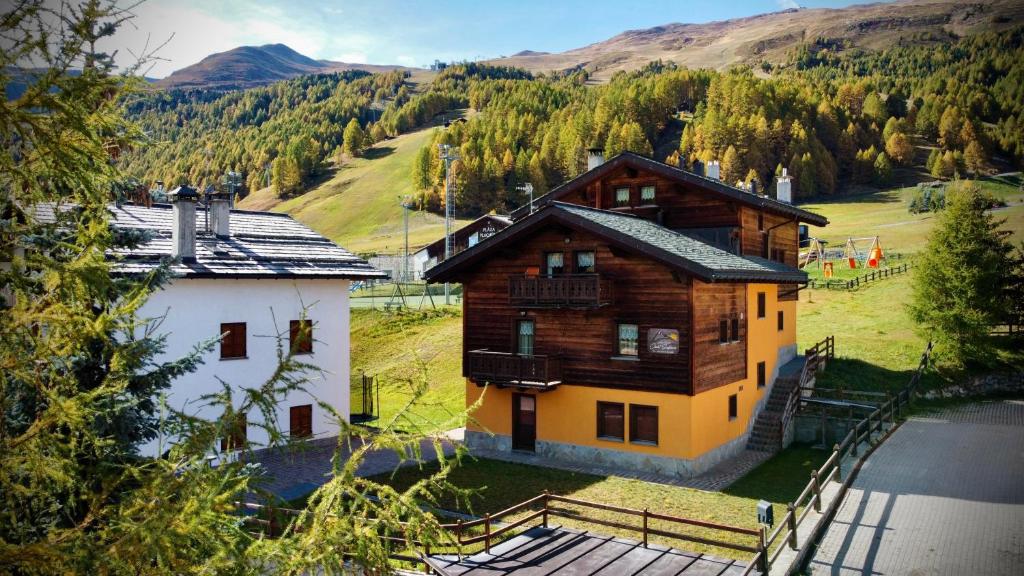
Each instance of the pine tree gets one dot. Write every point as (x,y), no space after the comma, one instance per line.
(899,148)
(354,139)
(883,169)
(974,157)
(731,169)
(959,278)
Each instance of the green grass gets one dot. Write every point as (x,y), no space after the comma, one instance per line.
(502,484)
(884,214)
(358,206)
(400,349)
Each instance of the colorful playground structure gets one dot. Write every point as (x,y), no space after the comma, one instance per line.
(852,254)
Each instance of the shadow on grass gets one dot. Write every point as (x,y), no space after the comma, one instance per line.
(378,152)
(499,484)
(854,374)
(782,478)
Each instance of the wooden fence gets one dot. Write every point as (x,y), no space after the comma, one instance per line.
(492,528)
(862,279)
(810,497)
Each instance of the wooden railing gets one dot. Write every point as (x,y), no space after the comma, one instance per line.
(815,358)
(491,528)
(566,290)
(810,498)
(506,368)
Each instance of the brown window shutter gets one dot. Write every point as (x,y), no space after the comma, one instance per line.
(300,336)
(232,345)
(301,421)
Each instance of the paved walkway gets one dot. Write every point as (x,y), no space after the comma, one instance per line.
(295,473)
(943,495)
(716,479)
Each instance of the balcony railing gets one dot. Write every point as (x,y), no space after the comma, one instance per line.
(568,290)
(502,368)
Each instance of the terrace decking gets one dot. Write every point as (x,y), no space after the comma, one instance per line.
(565,551)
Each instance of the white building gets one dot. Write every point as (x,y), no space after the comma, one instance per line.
(248,275)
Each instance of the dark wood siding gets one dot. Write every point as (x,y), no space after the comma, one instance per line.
(718,364)
(647,294)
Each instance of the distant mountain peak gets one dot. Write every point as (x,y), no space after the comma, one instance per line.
(249,66)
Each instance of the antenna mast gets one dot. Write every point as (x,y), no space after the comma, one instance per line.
(448,154)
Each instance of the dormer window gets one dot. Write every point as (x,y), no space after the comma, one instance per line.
(622,196)
(647,195)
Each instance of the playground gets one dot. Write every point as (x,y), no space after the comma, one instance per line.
(856,258)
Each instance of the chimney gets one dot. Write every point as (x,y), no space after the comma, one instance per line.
(783,188)
(595,157)
(220,214)
(711,170)
(183,222)
(752,187)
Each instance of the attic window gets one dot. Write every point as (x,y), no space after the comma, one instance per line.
(622,196)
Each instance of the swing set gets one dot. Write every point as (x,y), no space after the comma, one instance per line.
(871,258)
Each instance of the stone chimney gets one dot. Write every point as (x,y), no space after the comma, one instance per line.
(783,188)
(220,214)
(711,170)
(595,157)
(183,222)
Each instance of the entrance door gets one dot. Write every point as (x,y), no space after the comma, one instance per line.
(524,422)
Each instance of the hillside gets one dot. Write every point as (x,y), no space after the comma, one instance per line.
(770,37)
(249,66)
(358,205)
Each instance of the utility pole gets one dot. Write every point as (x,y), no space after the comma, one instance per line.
(232,180)
(406,205)
(448,154)
(528,188)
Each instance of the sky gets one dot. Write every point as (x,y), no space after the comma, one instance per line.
(409,33)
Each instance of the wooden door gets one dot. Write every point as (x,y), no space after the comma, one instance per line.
(524,422)
(301,421)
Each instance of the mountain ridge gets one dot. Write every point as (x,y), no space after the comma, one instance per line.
(771,36)
(250,66)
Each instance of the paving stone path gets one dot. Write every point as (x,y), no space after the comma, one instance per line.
(943,495)
(295,473)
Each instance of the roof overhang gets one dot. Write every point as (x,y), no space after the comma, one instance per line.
(450,269)
(631,160)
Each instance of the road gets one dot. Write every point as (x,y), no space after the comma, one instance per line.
(943,495)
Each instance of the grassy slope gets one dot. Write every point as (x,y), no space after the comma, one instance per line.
(358,206)
(398,349)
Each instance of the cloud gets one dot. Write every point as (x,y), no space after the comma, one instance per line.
(351,58)
(787,4)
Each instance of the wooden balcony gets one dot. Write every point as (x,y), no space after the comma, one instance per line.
(505,369)
(561,291)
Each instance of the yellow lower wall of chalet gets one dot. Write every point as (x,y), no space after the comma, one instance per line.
(688,426)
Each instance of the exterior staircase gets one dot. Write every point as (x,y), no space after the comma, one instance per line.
(766,434)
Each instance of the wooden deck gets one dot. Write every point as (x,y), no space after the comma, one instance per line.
(564,551)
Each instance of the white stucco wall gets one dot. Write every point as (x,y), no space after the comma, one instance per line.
(195,309)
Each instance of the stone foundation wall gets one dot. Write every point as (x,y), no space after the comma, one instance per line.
(995,384)
(605,457)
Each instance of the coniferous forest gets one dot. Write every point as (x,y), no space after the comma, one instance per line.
(835,117)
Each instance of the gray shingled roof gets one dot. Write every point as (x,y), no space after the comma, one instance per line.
(718,264)
(657,242)
(261,245)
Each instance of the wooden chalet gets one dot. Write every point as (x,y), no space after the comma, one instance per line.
(638,317)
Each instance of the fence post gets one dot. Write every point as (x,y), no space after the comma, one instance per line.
(545,514)
(791,520)
(856,439)
(816,489)
(839,463)
(487,533)
(426,552)
(645,527)
(763,548)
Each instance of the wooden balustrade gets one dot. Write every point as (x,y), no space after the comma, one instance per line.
(567,290)
(506,368)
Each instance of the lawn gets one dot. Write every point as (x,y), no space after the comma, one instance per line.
(400,349)
(884,214)
(502,484)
